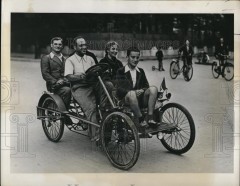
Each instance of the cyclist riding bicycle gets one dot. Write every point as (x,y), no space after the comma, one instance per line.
(187,52)
(221,52)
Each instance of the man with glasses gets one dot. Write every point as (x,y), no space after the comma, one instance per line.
(82,90)
(52,68)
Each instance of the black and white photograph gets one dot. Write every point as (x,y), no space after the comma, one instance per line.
(120,93)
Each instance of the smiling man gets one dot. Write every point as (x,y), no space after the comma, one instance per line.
(133,88)
(82,91)
(52,67)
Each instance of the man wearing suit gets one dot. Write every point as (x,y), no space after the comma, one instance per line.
(133,88)
(187,53)
(52,67)
(159,55)
(221,49)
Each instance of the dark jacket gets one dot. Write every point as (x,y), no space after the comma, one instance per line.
(125,83)
(93,56)
(52,70)
(186,53)
(159,54)
(221,49)
(113,64)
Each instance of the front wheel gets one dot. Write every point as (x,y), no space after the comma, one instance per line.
(188,73)
(180,139)
(120,140)
(174,69)
(215,70)
(53,125)
(228,71)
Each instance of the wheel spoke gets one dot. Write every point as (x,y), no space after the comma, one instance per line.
(181,137)
(186,132)
(166,118)
(180,146)
(169,114)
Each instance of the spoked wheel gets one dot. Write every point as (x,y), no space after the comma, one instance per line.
(53,124)
(228,71)
(188,73)
(215,70)
(180,139)
(120,140)
(174,69)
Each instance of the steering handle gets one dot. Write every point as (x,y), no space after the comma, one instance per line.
(98,68)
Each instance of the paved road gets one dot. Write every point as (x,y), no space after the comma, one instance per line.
(207,99)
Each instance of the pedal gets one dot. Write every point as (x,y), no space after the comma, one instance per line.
(149,135)
(160,135)
(145,135)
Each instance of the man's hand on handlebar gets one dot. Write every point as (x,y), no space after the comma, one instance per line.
(60,81)
(81,75)
(222,55)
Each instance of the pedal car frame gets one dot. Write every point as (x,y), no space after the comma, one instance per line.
(119,131)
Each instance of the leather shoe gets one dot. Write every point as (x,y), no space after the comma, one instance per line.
(153,123)
(143,124)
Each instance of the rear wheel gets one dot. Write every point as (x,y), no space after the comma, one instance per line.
(174,69)
(215,70)
(120,140)
(181,138)
(53,125)
(228,71)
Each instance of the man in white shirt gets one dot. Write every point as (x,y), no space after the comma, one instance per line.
(133,88)
(82,90)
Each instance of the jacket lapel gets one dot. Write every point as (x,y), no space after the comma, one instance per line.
(138,79)
(129,77)
(57,60)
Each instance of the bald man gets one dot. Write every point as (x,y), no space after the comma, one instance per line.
(82,91)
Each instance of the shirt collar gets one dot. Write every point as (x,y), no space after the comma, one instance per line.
(84,57)
(52,55)
(128,69)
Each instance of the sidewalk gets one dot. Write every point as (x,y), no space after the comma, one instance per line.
(23,57)
(30,58)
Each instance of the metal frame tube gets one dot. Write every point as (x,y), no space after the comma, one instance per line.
(106,92)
